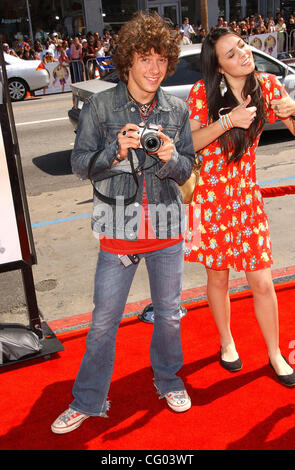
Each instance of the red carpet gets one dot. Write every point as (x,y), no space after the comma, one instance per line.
(246,410)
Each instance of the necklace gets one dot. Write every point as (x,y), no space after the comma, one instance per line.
(145,109)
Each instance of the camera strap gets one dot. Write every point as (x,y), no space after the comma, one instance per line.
(134,172)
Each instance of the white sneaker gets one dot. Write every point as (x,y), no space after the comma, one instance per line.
(178,401)
(68,421)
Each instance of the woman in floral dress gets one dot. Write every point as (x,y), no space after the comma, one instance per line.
(228,109)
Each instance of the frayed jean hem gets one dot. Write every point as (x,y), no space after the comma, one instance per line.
(101,414)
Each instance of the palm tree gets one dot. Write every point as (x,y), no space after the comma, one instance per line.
(204,15)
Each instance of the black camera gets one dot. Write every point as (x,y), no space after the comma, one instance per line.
(150,142)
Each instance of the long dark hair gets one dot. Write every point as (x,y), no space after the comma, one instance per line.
(235,141)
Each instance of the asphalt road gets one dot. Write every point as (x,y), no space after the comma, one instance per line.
(60,206)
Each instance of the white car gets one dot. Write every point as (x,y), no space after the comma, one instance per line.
(187,73)
(24,76)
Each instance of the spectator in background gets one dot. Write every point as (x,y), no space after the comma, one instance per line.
(182,39)
(96,37)
(88,54)
(107,37)
(252,28)
(271,27)
(290,25)
(76,68)
(38,50)
(247,23)
(257,18)
(20,50)
(220,22)
(238,30)
(116,38)
(54,43)
(281,30)
(243,27)
(76,49)
(7,49)
(48,57)
(28,53)
(84,45)
(100,52)
(201,35)
(48,47)
(112,47)
(58,50)
(261,28)
(188,30)
(65,46)
(278,16)
(290,30)
(176,30)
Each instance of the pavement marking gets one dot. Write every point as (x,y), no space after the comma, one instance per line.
(58,221)
(278,180)
(40,122)
(85,216)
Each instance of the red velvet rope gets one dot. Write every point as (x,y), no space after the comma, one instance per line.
(277,191)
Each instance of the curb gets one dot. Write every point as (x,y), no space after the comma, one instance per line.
(188,296)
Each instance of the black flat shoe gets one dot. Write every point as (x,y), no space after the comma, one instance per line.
(231,366)
(288,380)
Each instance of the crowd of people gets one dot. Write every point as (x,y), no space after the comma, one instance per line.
(281,23)
(82,50)
(79,48)
(89,45)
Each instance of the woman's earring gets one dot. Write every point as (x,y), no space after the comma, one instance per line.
(222,86)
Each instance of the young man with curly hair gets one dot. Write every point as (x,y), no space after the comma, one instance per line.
(138,212)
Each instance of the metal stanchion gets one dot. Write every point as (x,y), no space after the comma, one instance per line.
(77,70)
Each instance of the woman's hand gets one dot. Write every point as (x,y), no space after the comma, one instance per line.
(243,116)
(285,106)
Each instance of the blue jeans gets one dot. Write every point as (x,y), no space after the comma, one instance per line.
(111,289)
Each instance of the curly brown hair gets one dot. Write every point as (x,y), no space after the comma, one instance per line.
(141,34)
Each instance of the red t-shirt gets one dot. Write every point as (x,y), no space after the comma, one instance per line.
(146,240)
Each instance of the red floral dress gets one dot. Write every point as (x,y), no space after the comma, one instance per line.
(228,208)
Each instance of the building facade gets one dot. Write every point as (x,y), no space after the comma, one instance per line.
(23,18)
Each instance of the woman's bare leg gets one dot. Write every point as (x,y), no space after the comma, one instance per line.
(219,303)
(266,309)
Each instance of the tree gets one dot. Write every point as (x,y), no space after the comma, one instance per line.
(204,15)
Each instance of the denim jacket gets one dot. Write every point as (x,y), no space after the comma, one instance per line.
(101,118)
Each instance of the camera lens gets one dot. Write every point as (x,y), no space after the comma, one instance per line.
(151,143)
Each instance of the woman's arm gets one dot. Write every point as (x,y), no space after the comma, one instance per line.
(241,116)
(203,136)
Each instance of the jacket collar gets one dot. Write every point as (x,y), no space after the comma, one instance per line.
(121,99)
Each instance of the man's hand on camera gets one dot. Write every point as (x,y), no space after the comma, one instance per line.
(166,150)
(128,138)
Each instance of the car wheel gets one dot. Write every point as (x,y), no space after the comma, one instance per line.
(17,89)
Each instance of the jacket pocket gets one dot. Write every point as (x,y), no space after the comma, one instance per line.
(111,131)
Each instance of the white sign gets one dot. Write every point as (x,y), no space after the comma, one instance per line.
(60,79)
(265,42)
(10,249)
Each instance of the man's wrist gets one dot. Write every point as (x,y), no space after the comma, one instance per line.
(118,158)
